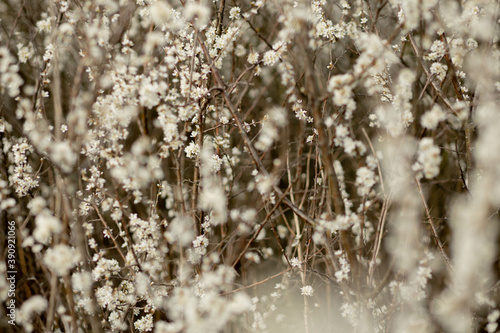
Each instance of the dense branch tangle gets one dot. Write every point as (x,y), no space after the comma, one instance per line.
(167,163)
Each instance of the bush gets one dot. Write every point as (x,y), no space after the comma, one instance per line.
(281,166)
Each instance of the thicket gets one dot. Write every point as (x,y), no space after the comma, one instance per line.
(248,166)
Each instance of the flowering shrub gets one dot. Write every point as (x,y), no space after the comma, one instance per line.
(248,166)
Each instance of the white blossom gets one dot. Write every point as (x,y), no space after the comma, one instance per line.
(192,150)
(439,70)
(433,117)
(198,13)
(295,262)
(160,12)
(253,58)
(307,290)
(46,226)
(34,305)
(235,13)
(428,159)
(61,258)
(270,58)
(365,180)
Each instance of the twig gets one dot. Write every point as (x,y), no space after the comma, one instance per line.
(246,139)
(431,223)
(257,283)
(220,16)
(378,239)
(256,234)
(378,163)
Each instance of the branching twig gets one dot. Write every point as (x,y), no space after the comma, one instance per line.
(433,228)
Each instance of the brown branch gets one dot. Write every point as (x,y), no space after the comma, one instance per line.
(433,228)
(256,234)
(257,283)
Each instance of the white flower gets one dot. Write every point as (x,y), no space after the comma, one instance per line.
(428,159)
(343,272)
(49,52)
(34,305)
(341,131)
(45,226)
(180,230)
(270,58)
(338,81)
(160,12)
(197,13)
(61,258)
(295,262)
(149,93)
(44,25)
(439,69)
(438,50)
(282,231)
(200,244)
(24,53)
(253,58)
(278,116)
(215,163)
(248,215)
(252,256)
(192,150)
(264,184)
(63,155)
(235,13)
(494,315)
(81,281)
(307,291)
(267,136)
(365,180)
(145,324)
(37,205)
(431,119)
(342,96)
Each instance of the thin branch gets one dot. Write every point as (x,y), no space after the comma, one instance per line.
(257,283)
(433,228)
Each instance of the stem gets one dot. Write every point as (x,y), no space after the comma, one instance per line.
(433,228)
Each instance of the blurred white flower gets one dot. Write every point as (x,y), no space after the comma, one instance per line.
(307,291)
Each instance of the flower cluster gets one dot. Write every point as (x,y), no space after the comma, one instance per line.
(163,160)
